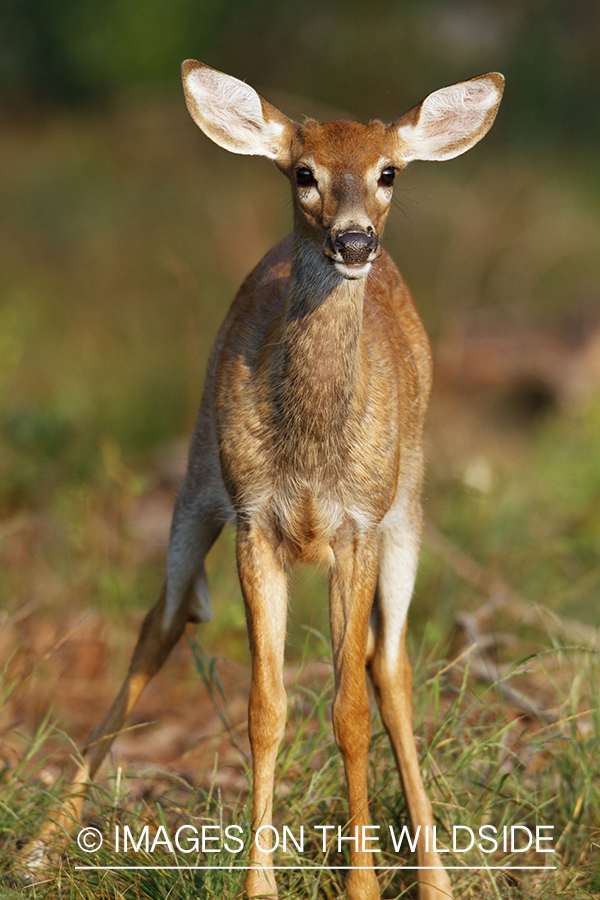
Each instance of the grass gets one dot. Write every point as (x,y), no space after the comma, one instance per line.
(483,765)
(126,239)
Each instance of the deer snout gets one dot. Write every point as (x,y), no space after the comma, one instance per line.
(356,247)
(353,247)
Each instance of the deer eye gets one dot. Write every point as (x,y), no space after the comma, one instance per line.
(386,179)
(304,177)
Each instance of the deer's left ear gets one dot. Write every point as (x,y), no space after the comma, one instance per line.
(233,115)
(450,121)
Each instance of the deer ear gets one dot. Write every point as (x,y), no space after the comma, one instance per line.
(450,121)
(233,115)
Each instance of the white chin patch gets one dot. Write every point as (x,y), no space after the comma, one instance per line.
(353,272)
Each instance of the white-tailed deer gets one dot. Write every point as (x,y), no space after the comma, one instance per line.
(310,437)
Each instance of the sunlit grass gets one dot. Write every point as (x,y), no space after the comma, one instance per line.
(483,765)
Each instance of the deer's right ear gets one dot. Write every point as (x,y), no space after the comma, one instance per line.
(233,115)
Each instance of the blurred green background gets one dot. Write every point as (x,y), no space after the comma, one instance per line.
(124,234)
(86,52)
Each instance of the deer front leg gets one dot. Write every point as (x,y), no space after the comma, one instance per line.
(264,588)
(391,673)
(352,586)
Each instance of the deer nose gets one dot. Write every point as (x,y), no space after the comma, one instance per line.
(356,247)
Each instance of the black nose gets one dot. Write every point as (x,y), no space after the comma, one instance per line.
(355,247)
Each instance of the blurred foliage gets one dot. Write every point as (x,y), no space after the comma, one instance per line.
(536,526)
(124,234)
(341,53)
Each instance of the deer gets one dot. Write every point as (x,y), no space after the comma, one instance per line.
(309,438)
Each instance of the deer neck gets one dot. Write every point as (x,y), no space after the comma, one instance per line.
(318,367)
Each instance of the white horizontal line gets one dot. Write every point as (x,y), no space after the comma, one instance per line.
(317,868)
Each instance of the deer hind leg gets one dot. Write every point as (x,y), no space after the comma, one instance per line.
(352,585)
(391,674)
(264,586)
(198,518)
(183,598)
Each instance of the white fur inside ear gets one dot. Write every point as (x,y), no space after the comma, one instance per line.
(451,120)
(230,113)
